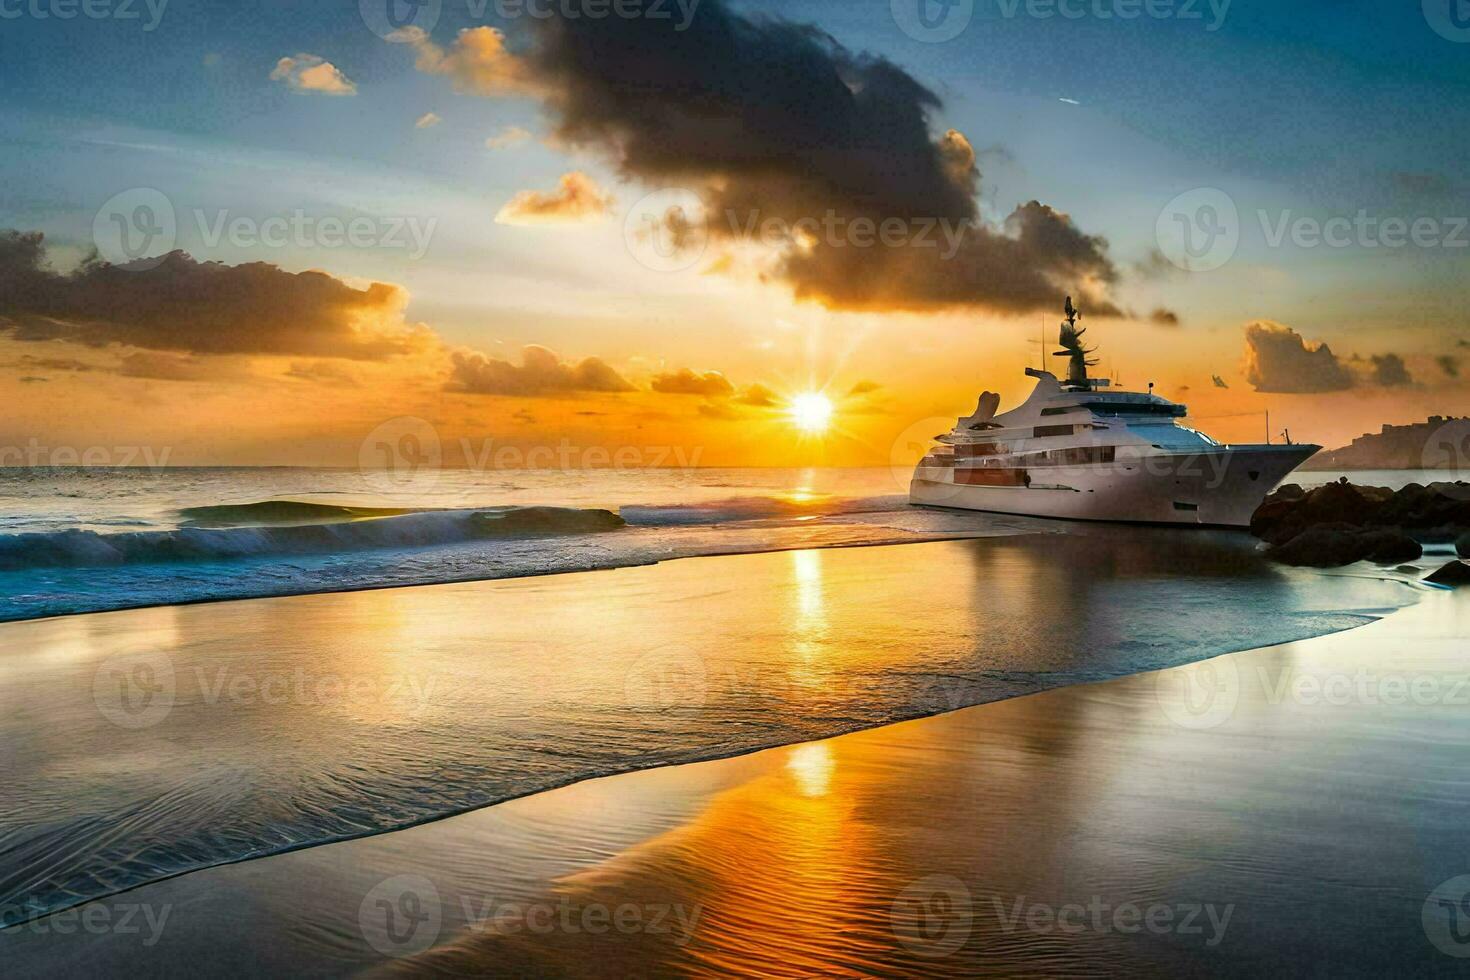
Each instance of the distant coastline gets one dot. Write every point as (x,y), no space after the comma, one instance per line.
(1437,443)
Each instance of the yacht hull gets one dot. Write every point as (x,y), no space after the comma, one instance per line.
(1216,489)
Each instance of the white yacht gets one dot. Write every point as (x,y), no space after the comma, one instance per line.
(1076,449)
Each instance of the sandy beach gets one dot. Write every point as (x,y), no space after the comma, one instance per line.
(1297,806)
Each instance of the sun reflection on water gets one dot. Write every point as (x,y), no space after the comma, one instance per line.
(811,765)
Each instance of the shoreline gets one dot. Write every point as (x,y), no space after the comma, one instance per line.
(619,840)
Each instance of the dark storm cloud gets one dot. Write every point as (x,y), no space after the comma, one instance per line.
(768,119)
(1389,371)
(194,307)
(541,373)
(1278,359)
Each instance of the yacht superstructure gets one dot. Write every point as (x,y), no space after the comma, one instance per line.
(1076,449)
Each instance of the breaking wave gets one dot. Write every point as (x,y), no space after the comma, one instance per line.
(349,532)
(286,512)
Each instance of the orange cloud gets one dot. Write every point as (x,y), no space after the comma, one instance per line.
(311,73)
(576,199)
(711,384)
(165,366)
(477,63)
(757,395)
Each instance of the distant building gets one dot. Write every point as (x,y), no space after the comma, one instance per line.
(1396,447)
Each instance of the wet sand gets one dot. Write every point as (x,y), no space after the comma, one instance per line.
(1303,807)
(139,744)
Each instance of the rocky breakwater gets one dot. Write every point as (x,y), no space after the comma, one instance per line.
(1342,523)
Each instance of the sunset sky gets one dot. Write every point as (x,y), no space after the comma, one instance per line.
(504,279)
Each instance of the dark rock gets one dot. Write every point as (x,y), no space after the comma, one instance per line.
(1339,503)
(1389,547)
(1277,520)
(1436,505)
(1391,525)
(1454,573)
(1324,546)
(1462,545)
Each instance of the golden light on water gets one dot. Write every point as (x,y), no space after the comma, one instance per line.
(811,412)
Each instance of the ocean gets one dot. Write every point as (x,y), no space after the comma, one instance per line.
(143,743)
(86,540)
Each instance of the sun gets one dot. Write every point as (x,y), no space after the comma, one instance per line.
(811,412)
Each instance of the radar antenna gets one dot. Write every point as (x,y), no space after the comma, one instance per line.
(1073,349)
